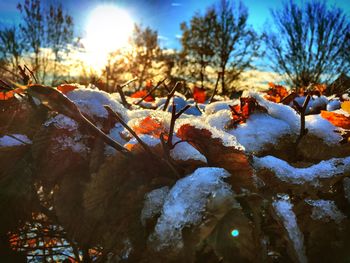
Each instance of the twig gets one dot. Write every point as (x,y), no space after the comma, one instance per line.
(215,89)
(302,110)
(122,96)
(31,73)
(170,95)
(166,151)
(126,126)
(128,82)
(150,92)
(174,117)
(5,86)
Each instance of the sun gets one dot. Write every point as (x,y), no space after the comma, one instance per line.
(108,28)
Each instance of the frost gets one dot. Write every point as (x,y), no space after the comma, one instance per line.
(283,208)
(153,204)
(346,185)
(61,121)
(72,143)
(10,141)
(325,210)
(185,204)
(285,172)
(185,151)
(92,101)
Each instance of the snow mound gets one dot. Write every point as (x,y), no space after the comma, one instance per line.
(323,129)
(325,210)
(279,111)
(184,151)
(227,139)
(92,101)
(153,204)
(219,106)
(14,140)
(259,131)
(185,205)
(287,173)
(284,210)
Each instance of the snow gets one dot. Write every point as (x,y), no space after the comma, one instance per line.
(184,151)
(185,205)
(227,139)
(220,119)
(325,169)
(219,106)
(153,204)
(147,139)
(323,129)
(325,210)
(73,143)
(115,134)
(73,140)
(280,111)
(259,131)
(10,141)
(61,121)
(284,210)
(333,105)
(92,101)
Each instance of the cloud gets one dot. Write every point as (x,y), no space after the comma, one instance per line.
(176,4)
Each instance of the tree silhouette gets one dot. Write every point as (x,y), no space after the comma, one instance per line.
(236,43)
(308,42)
(198,47)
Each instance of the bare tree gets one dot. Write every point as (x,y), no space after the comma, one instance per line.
(236,42)
(308,41)
(145,52)
(198,47)
(45,32)
(59,34)
(11,47)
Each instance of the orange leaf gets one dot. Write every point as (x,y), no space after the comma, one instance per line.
(141,94)
(6,95)
(199,95)
(346,106)
(337,119)
(149,126)
(276,93)
(65,88)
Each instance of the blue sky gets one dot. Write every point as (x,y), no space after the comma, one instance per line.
(163,15)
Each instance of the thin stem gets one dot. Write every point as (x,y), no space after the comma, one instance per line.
(126,126)
(150,92)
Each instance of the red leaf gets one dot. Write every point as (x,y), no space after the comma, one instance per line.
(65,88)
(230,158)
(141,94)
(241,112)
(199,95)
